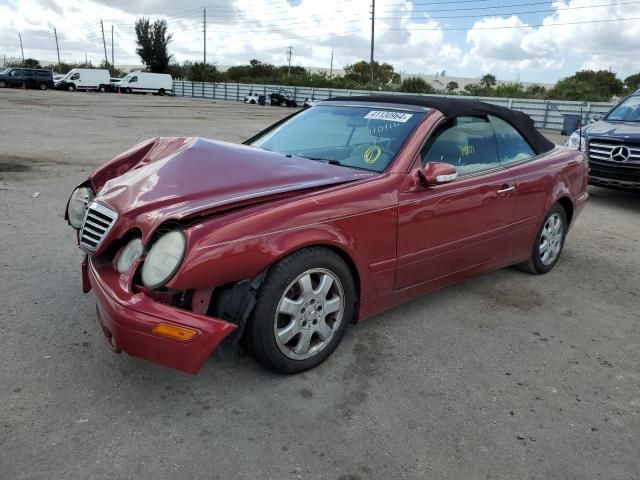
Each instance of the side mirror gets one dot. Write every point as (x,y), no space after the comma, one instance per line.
(596,118)
(436,173)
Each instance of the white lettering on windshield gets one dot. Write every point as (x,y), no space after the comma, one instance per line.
(388,116)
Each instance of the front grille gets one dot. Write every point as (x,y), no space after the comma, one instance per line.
(611,150)
(97,223)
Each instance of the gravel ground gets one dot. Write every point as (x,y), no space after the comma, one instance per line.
(507,376)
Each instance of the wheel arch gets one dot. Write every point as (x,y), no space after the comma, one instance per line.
(566,203)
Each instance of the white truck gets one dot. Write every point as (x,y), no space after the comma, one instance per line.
(145,82)
(85,79)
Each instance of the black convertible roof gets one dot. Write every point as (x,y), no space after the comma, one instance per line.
(454,107)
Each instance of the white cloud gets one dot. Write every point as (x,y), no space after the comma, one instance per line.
(563,42)
(240,30)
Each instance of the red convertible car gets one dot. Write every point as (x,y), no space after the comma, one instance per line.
(330,216)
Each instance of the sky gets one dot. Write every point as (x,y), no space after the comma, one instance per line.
(516,40)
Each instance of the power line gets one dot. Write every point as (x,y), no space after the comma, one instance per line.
(510,13)
(488,7)
(519,26)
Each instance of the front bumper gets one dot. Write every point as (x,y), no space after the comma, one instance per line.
(614,174)
(127,320)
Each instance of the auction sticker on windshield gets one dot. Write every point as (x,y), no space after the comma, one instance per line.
(399,117)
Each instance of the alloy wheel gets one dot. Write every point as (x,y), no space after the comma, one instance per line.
(308,314)
(551,239)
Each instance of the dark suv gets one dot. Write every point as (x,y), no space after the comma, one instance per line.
(613,144)
(27,78)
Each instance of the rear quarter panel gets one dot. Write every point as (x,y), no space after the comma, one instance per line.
(542,182)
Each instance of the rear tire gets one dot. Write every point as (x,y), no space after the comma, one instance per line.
(3,84)
(548,244)
(161,92)
(303,309)
(43,86)
(102,89)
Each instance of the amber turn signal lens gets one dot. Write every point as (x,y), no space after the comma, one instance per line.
(174,332)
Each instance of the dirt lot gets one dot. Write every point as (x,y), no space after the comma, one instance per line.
(508,376)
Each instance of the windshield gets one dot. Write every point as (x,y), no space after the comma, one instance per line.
(627,111)
(361,137)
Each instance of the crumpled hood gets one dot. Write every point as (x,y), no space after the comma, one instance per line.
(182,177)
(621,130)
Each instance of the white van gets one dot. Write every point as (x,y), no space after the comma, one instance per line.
(85,79)
(145,82)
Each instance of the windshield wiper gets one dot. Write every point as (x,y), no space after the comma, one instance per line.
(325,160)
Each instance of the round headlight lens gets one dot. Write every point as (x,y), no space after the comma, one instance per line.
(576,142)
(164,259)
(80,198)
(129,254)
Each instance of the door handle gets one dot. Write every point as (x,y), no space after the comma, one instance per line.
(503,192)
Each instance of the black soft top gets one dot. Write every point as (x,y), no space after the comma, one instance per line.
(454,107)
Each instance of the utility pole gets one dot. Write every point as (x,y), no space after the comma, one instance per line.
(55,34)
(21,48)
(331,69)
(373,23)
(204,32)
(113,62)
(289,53)
(104,43)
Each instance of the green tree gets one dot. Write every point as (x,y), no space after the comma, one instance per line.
(509,90)
(632,82)
(203,72)
(31,63)
(360,73)
(113,71)
(416,85)
(535,91)
(588,85)
(153,44)
(488,81)
(452,87)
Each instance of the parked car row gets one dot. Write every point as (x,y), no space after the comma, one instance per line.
(87,79)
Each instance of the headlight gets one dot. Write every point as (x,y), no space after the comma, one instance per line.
(164,259)
(80,198)
(129,254)
(576,142)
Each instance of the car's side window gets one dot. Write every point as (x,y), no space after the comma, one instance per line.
(511,145)
(467,143)
(14,73)
(133,80)
(75,76)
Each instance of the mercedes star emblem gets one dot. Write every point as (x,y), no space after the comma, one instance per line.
(620,153)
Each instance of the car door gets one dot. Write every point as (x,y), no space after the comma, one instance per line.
(532,185)
(446,229)
(16,77)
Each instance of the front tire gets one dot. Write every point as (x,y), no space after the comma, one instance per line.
(548,243)
(302,312)
(3,84)
(71,87)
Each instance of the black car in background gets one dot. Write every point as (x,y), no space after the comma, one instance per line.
(283,97)
(27,78)
(613,145)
